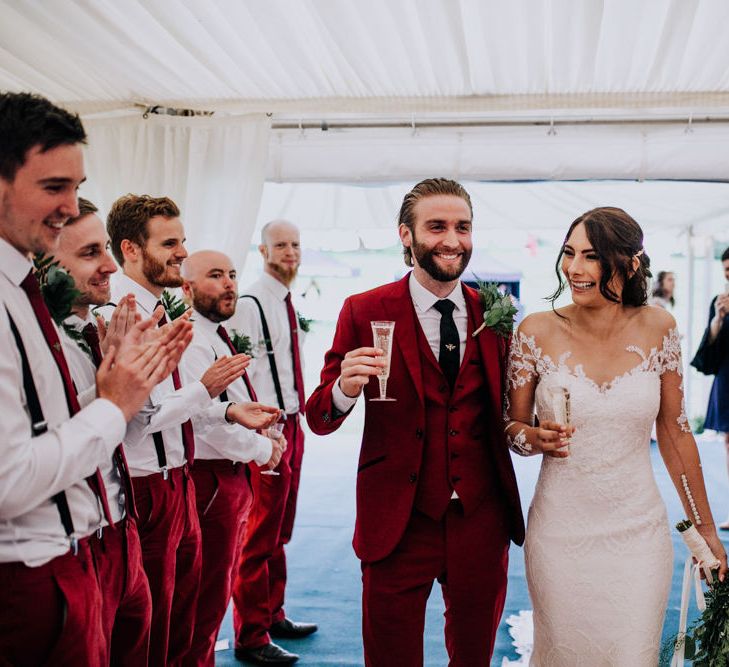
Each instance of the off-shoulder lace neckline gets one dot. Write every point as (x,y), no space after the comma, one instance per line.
(656,360)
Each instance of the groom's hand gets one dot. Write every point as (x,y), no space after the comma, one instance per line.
(358,366)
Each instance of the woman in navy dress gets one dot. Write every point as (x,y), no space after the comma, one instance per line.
(717,414)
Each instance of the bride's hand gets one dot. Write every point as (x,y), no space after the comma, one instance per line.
(553,437)
(708,532)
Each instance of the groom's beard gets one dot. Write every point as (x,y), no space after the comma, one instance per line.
(426,261)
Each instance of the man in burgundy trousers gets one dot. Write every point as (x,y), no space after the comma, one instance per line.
(147,239)
(52,494)
(269,320)
(436,492)
(126,601)
(222,489)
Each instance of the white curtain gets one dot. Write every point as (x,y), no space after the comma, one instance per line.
(213,168)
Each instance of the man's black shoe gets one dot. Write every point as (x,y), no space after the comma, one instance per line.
(288,629)
(268,654)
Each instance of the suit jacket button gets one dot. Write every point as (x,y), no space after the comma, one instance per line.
(413,478)
(455,480)
(326,417)
(442,388)
(454,455)
(452,432)
(419,433)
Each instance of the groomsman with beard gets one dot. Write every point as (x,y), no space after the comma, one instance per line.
(222,487)
(52,496)
(277,375)
(147,240)
(83,251)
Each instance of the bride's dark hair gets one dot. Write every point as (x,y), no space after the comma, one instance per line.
(616,239)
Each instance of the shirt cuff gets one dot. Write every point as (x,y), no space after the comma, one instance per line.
(341,401)
(107,420)
(264,449)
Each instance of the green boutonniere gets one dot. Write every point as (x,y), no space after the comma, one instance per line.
(498,310)
(304,323)
(173,305)
(241,343)
(57,287)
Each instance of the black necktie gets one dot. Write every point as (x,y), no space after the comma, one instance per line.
(449,356)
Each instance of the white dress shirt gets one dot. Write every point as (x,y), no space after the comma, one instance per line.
(166,409)
(83,372)
(33,469)
(429,318)
(247,321)
(220,440)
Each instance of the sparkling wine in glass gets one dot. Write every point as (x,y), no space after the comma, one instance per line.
(560,400)
(274,431)
(382,333)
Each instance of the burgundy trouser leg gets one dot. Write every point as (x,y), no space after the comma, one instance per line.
(258,593)
(127,602)
(51,614)
(224,498)
(171,552)
(468,556)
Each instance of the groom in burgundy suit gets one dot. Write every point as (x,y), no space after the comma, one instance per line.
(436,492)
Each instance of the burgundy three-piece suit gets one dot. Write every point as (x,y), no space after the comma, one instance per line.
(415,452)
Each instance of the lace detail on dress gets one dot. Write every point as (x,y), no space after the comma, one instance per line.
(671,361)
(519,444)
(522,364)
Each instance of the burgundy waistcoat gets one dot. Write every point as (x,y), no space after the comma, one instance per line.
(456,451)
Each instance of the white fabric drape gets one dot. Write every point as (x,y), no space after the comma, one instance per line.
(212,168)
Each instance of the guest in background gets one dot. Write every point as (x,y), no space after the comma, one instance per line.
(277,377)
(663,289)
(717,414)
(222,488)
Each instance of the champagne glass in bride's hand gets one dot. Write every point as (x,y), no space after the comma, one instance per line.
(560,399)
(382,333)
(274,432)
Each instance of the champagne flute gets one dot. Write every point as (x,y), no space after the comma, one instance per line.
(560,400)
(274,431)
(382,333)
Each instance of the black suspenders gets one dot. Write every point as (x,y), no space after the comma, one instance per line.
(40,426)
(269,350)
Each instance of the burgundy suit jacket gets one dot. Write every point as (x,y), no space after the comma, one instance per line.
(392,442)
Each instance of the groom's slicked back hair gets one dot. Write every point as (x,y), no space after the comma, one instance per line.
(427,188)
(31,120)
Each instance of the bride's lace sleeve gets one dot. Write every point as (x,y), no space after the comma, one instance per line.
(676,443)
(521,382)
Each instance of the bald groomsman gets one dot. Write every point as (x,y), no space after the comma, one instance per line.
(52,496)
(269,319)
(222,487)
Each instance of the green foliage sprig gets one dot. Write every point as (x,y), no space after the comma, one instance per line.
(304,323)
(57,287)
(498,310)
(241,342)
(173,305)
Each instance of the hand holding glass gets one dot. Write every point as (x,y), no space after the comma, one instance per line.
(560,400)
(382,333)
(274,432)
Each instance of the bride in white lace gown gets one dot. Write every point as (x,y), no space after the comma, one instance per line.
(598,548)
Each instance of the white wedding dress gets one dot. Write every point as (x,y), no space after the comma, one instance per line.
(598,550)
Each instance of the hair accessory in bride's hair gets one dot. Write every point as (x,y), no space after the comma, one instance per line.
(639,253)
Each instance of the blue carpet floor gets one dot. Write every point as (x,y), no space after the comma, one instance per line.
(324,576)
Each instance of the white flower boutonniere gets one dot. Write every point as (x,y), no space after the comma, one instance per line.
(498,310)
